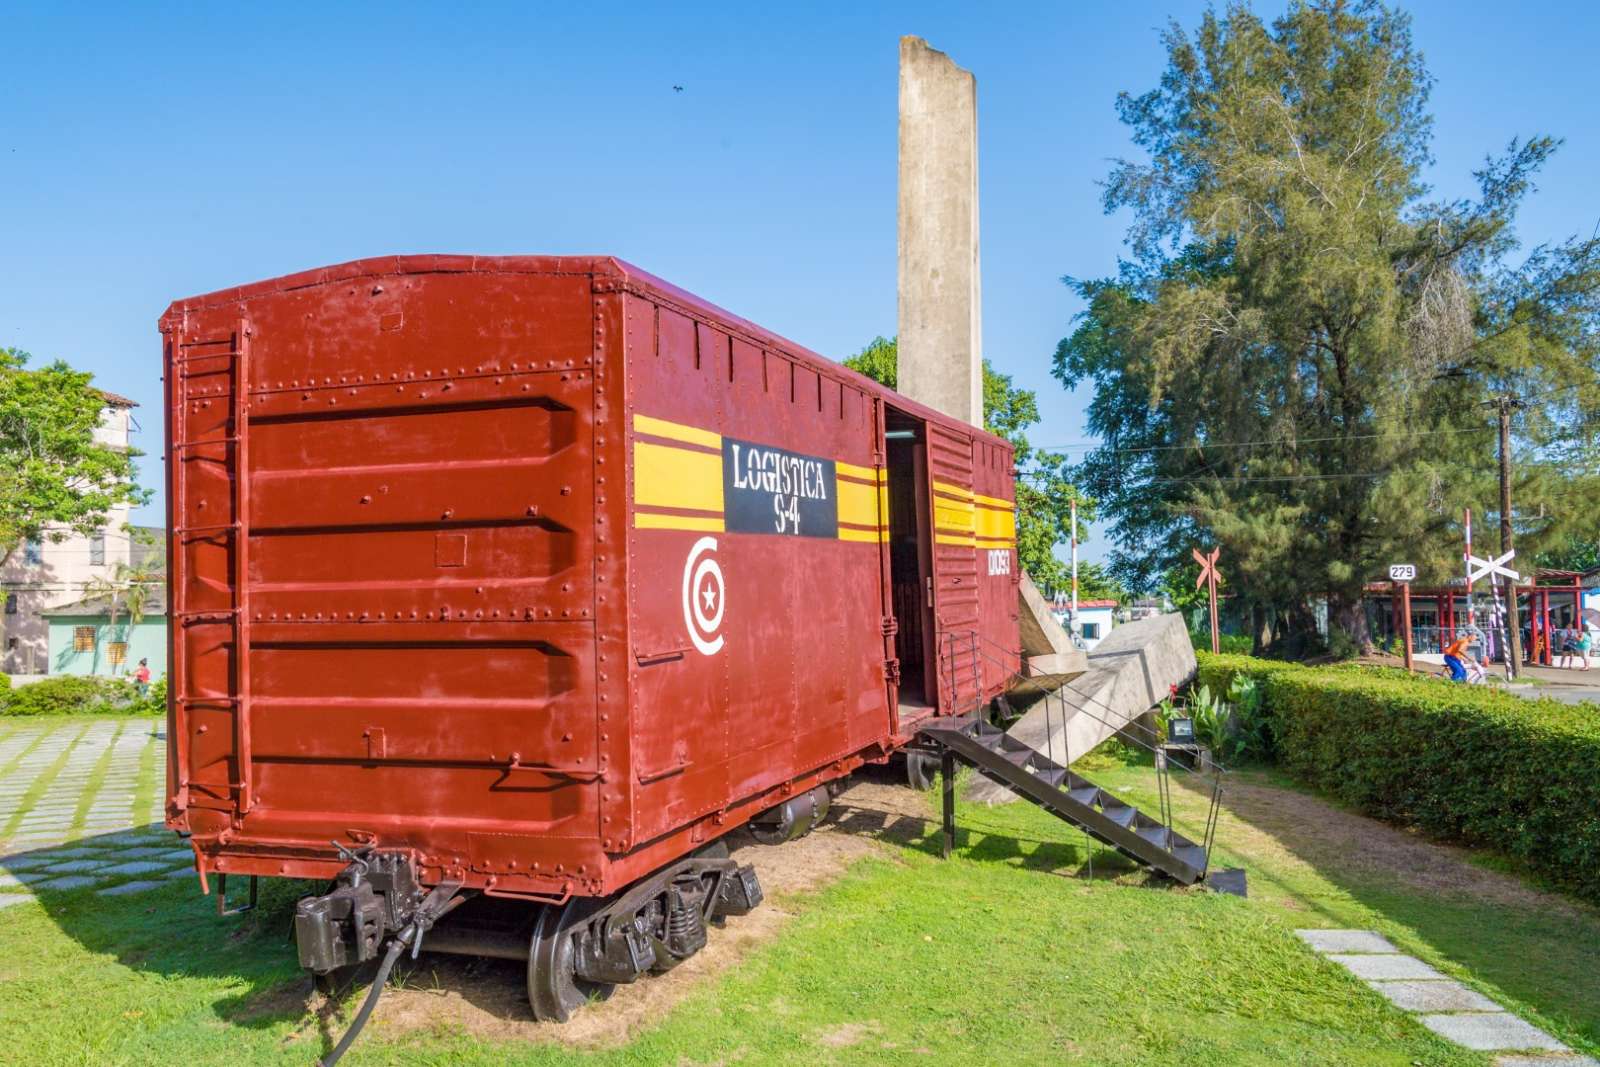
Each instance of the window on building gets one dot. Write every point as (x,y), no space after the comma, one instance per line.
(97,550)
(11,603)
(83,639)
(116,652)
(1091,631)
(32,553)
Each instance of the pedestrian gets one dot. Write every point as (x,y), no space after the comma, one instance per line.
(1454,657)
(141,678)
(1568,644)
(1583,644)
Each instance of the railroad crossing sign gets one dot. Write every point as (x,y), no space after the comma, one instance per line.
(1483,568)
(1402,572)
(1209,577)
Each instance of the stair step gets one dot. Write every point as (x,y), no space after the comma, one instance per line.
(1193,855)
(1017,756)
(1052,776)
(1158,836)
(1084,794)
(1121,814)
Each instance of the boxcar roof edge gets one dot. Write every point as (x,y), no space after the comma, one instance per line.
(618,272)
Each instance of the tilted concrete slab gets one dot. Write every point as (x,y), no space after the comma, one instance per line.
(1128,673)
(1049,656)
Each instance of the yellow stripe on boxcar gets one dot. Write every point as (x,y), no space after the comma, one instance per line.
(858,504)
(667,477)
(878,536)
(651,520)
(996,525)
(676,431)
(866,474)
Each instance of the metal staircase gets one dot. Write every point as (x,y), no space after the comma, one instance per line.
(1033,776)
(1037,777)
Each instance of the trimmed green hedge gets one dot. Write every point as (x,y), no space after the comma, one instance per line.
(1462,762)
(71,694)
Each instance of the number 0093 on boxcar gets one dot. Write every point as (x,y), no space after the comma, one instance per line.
(507,587)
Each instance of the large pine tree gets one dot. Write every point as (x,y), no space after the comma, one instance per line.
(1294,360)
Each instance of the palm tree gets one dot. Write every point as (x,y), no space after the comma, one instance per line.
(128,584)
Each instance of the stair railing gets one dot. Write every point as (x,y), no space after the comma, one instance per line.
(1056,710)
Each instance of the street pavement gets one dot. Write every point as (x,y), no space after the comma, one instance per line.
(1571,685)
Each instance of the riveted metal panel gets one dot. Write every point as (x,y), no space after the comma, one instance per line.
(453,569)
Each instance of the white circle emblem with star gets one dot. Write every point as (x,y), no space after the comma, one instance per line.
(703,593)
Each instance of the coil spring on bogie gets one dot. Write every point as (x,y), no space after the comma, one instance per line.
(685,927)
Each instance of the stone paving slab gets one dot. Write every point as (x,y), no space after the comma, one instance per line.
(1383,968)
(75,867)
(1545,1061)
(1433,996)
(1489,1031)
(138,867)
(1346,941)
(8,899)
(23,861)
(71,881)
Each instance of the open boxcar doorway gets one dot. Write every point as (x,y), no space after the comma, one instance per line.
(911,561)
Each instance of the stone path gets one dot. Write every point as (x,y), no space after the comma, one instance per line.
(80,808)
(1443,1005)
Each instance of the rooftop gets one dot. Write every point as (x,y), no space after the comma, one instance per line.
(95,607)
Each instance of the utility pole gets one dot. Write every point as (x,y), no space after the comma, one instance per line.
(1513,623)
(1077,627)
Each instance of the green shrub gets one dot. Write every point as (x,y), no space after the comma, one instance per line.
(5,684)
(154,701)
(1229,643)
(71,694)
(1462,762)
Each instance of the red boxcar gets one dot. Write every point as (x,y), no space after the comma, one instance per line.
(536,575)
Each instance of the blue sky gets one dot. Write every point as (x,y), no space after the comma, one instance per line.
(152,152)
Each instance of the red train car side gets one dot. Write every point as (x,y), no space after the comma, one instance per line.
(528,578)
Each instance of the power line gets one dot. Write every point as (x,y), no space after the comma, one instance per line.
(1201,446)
(1099,446)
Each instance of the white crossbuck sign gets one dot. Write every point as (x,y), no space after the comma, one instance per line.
(1483,568)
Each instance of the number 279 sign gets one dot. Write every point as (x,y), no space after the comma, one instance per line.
(1402,572)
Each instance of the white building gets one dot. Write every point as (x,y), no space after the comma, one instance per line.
(49,573)
(1095,620)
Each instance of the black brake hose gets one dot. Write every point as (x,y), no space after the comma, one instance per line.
(395,948)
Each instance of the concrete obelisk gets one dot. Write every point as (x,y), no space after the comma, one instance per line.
(941,343)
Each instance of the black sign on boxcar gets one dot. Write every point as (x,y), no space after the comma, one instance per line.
(775,491)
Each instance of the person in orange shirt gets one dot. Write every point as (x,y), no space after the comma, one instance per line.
(1454,654)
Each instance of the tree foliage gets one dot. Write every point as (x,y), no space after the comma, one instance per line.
(1044,491)
(1294,360)
(55,477)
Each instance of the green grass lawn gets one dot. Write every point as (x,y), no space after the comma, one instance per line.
(1004,953)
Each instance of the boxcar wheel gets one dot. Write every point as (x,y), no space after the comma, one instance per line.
(554,990)
(922,770)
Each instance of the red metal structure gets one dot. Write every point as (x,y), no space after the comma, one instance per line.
(1553,601)
(534,576)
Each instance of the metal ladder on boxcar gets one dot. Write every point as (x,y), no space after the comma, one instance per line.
(1038,778)
(234,441)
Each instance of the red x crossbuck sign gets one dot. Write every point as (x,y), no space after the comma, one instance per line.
(1209,576)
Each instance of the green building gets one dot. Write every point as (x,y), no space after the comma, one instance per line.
(84,641)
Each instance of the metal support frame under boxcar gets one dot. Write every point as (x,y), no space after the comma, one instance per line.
(947,771)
